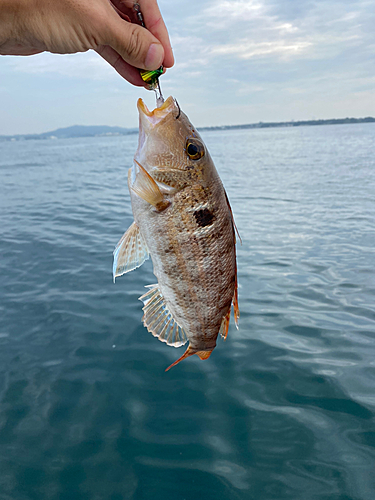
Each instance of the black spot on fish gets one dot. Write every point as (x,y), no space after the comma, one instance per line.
(203,217)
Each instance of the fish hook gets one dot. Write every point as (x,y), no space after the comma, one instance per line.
(179,109)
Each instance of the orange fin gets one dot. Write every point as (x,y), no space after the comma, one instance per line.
(224,327)
(147,189)
(234,224)
(189,352)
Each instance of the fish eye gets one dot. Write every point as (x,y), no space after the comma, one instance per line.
(194,149)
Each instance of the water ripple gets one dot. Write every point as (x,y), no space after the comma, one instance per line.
(283,410)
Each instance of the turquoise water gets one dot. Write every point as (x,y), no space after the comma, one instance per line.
(283,410)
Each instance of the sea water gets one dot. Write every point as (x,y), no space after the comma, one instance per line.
(283,410)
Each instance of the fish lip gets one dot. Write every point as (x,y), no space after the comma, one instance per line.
(158,114)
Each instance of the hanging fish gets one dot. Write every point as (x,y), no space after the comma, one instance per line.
(182,218)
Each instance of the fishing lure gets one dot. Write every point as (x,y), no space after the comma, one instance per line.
(151,78)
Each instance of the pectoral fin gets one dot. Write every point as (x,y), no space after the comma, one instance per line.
(147,189)
(131,252)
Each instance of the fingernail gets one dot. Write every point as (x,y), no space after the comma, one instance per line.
(154,56)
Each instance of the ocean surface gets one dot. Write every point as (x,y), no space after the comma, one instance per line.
(283,410)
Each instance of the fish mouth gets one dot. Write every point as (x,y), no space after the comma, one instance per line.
(158,114)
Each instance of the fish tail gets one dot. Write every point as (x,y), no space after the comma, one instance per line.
(189,352)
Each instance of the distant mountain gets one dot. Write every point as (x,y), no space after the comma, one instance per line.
(104,130)
(74,131)
(304,123)
(88,131)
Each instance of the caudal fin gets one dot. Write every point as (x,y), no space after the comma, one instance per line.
(189,352)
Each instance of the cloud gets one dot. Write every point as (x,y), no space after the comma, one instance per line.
(237,61)
(236,10)
(87,65)
(255,28)
(246,49)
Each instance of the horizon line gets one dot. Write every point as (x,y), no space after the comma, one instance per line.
(260,124)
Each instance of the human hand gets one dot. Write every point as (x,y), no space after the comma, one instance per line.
(67,26)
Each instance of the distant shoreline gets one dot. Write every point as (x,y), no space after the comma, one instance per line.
(302,123)
(106,131)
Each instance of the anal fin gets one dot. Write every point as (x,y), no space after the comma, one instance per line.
(131,252)
(159,321)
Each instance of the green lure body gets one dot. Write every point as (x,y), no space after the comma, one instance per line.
(151,77)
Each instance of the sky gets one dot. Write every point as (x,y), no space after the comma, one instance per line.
(237,61)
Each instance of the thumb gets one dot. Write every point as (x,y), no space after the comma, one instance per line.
(136,45)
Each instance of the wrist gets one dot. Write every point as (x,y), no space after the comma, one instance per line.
(12,13)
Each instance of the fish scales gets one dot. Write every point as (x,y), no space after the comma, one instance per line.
(184,220)
(199,268)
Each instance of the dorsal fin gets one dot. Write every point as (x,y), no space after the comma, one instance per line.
(234,224)
(190,352)
(159,321)
(236,309)
(235,294)
(224,327)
